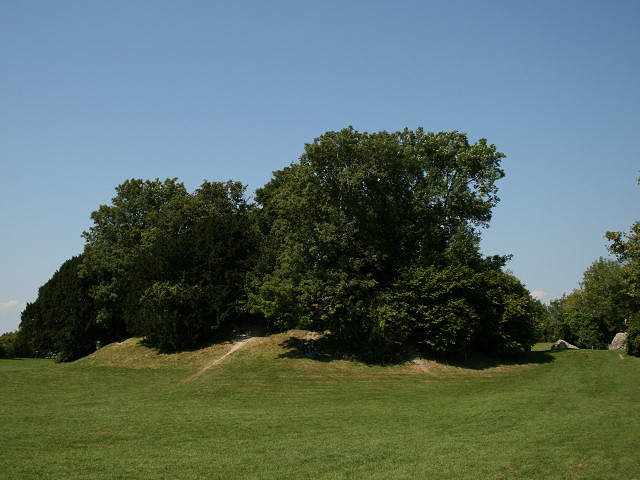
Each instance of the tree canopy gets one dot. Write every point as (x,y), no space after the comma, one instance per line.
(626,246)
(361,212)
(373,238)
(169,265)
(63,319)
(608,300)
(591,315)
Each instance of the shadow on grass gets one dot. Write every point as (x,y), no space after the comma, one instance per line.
(322,349)
(227,334)
(480,361)
(326,349)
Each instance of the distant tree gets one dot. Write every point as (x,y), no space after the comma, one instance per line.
(604,298)
(591,316)
(33,330)
(8,344)
(633,337)
(21,346)
(626,246)
(556,310)
(546,326)
(13,345)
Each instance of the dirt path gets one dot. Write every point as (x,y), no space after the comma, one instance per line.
(422,364)
(244,340)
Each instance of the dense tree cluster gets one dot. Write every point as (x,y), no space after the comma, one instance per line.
(159,263)
(372,237)
(63,318)
(12,346)
(591,315)
(626,246)
(168,265)
(607,302)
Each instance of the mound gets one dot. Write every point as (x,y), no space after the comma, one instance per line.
(280,354)
(132,354)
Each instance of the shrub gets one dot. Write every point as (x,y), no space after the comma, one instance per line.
(633,337)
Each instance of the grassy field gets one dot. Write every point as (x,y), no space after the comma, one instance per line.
(267,412)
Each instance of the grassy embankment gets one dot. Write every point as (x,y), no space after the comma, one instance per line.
(267,412)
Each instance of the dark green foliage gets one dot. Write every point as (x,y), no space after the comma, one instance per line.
(591,316)
(545,331)
(586,331)
(633,336)
(509,314)
(115,243)
(196,270)
(433,305)
(374,237)
(173,316)
(159,262)
(558,327)
(626,246)
(9,346)
(171,265)
(62,320)
(455,309)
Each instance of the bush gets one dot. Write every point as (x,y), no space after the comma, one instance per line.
(63,319)
(456,309)
(433,304)
(172,315)
(633,337)
(7,344)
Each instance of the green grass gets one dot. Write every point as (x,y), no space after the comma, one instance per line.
(265,412)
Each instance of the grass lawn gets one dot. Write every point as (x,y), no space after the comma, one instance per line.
(267,412)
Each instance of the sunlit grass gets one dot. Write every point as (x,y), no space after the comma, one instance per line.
(267,412)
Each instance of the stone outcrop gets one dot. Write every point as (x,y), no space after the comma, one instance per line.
(562,345)
(618,341)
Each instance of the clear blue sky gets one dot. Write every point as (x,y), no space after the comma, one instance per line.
(93,93)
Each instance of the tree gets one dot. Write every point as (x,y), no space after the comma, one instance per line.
(557,309)
(8,344)
(169,265)
(62,320)
(159,262)
(603,297)
(374,237)
(626,246)
(591,316)
(115,243)
(545,331)
(356,213)
(457,309)
(434,306)
(633,337)
(196,266)
(510,314)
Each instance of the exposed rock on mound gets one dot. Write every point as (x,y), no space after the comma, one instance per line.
(618,341)
(562,345)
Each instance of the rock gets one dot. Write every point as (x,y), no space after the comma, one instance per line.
(562,345)
(618,341)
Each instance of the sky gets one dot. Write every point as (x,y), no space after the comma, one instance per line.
(93,93)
